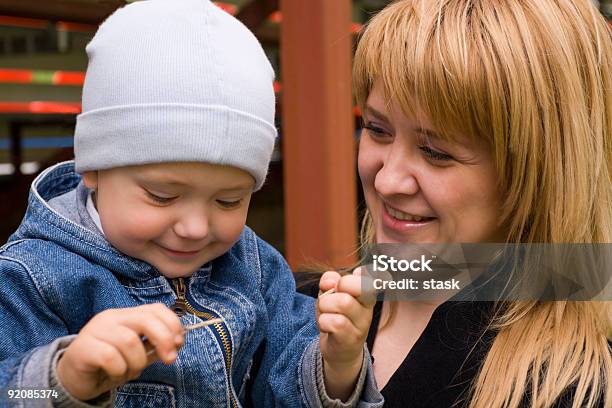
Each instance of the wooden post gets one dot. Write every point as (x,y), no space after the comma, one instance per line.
(318,132)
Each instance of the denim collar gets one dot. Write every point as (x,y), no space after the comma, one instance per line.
(42,221)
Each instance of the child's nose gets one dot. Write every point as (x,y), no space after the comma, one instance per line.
(193,225)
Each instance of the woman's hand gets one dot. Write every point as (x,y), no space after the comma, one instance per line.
(344,316)
(109,350)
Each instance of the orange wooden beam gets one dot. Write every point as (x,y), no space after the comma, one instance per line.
(23,22)
(71,27)
(60,10)
(41,77)
(318,132)
(41,107)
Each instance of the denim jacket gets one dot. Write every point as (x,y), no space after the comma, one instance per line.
(58,271)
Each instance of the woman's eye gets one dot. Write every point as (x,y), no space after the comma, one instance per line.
(434,154)
(375,130)
(160,199)
(229,204)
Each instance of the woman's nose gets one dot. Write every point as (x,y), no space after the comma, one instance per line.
(397,174)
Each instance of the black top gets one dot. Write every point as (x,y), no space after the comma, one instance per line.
(439,369)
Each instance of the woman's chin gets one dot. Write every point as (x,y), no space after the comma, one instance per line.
(413,237)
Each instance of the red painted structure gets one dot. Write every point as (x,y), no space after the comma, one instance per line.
(318,132)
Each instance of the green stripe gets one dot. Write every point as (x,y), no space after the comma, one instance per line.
(42,77)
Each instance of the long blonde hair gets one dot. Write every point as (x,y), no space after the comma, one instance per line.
(533,78)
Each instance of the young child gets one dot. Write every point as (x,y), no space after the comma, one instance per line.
(144,234)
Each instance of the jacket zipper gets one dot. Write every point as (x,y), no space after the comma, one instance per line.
(182,305)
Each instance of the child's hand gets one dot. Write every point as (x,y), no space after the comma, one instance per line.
(109,351)
(344,318)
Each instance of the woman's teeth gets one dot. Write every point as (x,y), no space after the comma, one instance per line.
(405,216)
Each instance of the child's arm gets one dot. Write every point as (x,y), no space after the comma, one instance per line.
(109,351)
(344,318)
(30,332)
(33,336)
(288,374)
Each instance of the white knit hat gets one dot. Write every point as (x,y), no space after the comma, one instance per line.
(176,80)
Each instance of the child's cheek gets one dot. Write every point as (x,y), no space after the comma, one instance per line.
(148,224)
(229,226)
(135,224)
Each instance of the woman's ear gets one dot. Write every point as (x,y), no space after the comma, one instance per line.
(90,179)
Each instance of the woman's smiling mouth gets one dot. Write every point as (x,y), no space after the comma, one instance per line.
(401,221)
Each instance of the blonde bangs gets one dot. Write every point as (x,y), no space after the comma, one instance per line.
(420,52)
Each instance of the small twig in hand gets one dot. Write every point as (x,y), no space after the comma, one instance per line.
(202,324)
(328,292)
(151,348)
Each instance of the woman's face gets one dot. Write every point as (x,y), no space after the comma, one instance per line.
(421,189)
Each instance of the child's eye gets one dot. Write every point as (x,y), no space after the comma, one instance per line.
(160,199)
(434,154)
(229,204)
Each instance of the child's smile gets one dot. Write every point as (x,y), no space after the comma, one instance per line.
(180,254)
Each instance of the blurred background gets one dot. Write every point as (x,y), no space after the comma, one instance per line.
(307,207)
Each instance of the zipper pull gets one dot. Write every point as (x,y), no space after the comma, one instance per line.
(180,305)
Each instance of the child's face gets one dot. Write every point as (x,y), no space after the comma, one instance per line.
(175,216)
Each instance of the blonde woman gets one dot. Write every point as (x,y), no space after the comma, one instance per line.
(488,121)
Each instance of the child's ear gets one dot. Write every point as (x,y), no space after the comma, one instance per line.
(90,179)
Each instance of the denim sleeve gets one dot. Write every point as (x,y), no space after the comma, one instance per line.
(64,399)
(289,329)
(30,333)
(365,394)
(291,339)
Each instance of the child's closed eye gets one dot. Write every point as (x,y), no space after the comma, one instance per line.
(229,204)
(161,199)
